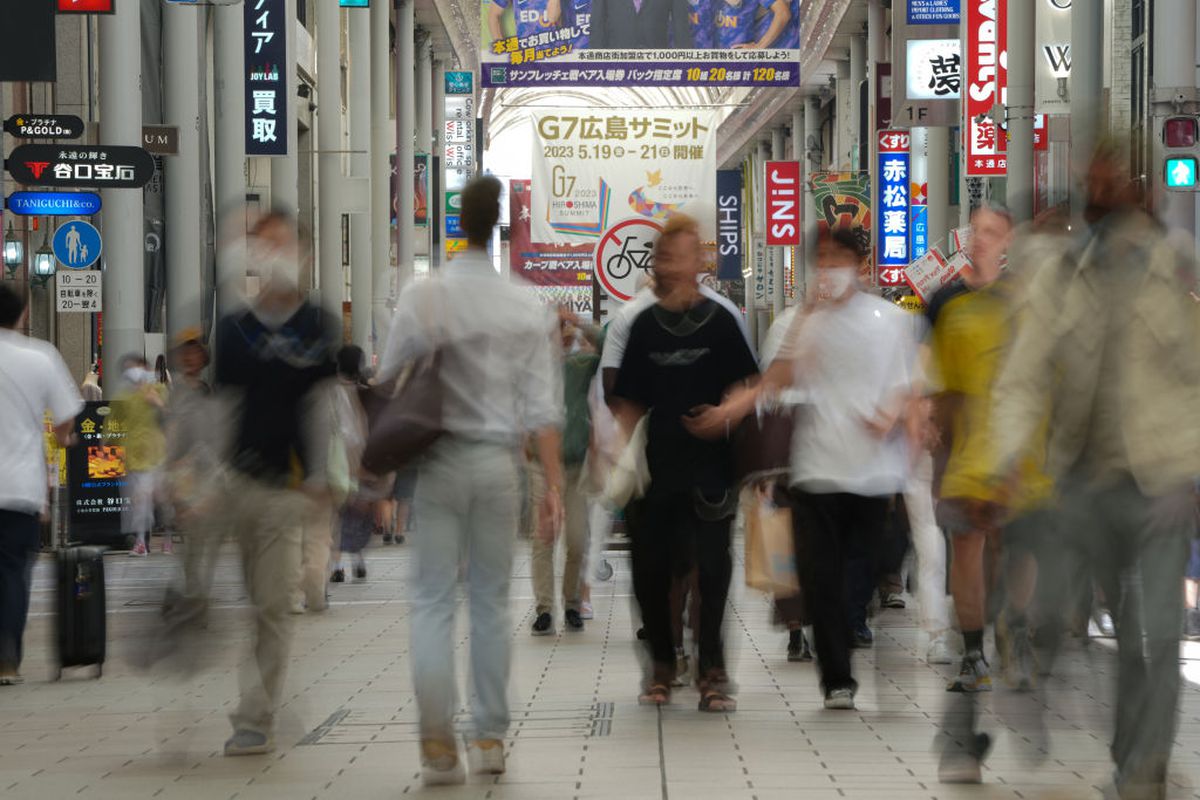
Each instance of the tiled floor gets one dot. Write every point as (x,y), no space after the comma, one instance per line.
(347,729)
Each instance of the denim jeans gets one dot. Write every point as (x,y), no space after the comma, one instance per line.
(467,508)
(18,549)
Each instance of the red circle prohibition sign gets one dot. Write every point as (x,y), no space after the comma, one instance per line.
(615,262)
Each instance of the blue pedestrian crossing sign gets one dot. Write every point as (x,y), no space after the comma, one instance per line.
(77,245)
(1181,172)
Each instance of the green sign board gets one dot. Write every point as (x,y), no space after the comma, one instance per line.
(454,203)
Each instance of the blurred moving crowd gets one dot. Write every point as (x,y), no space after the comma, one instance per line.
(1023,457)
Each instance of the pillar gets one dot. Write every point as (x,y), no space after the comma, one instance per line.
(937,171)
(813,162)
(329,160)
(437,220)
(381,180)
(858,73)
(285,170)
(230,154)
(1020,110)
(1087,71)
(359,102)
(424,124)
(121,115)
(1174,73)
(405,127)
(184,242)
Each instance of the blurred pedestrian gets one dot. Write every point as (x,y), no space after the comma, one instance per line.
(499,384)
(580,361)
(853,356)
(271,360)
(136,424)
(34,384)
(684,352)
(1109,343)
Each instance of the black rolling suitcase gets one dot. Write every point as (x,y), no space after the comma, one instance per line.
(81,621)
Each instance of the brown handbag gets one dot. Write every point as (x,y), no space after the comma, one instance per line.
(404,418)
(762,444)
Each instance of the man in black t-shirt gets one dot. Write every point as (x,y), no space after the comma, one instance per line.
(683,353)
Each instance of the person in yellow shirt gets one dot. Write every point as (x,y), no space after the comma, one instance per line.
(972,324)
(136,424)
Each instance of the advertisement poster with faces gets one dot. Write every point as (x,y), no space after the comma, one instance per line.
(640,43)
(595,169)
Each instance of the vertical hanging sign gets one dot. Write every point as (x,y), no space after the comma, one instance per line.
(892,246)
(783,203)
(986,86)
(730,242)
(458,155)
(266,80)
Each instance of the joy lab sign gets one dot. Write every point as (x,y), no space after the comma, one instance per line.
(783,203)
(986,86)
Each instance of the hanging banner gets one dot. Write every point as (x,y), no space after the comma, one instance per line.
(986,86)
(420,189)
(593,169)
(1052,58)
(842,200)
(638,43)
(266,31)
(783,203)
(730,237)
(561,274)
(892,246)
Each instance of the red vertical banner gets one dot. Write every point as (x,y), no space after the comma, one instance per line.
(986,86)
(783,203)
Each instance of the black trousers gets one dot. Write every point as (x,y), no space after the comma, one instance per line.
(18,550)
(670,533)
(834,531)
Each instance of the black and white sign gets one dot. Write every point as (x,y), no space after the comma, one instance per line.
(934,69)
(44,126)
(94,167)
(927,65)
(79,291)
(266,82)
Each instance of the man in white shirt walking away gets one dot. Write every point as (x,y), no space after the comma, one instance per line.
(499,383)
(33,381)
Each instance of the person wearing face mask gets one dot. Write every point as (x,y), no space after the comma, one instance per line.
(851,356)
(136,424)
(683,353)
(273,361)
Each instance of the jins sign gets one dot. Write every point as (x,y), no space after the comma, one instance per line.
(987,84)
(783,203)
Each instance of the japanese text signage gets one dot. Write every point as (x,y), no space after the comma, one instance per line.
(458,149)
(594,168)
(933,12)
(96,474)
(892,254)
(934,69)
(79,291)
(460,82)
(783,203)
(986,86)
(636,43)
(54,204)
(730,243)
(44,126)
(94,167)
(266,30)
(560,274)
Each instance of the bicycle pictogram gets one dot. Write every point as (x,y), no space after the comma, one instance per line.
(620,264)
(624,254)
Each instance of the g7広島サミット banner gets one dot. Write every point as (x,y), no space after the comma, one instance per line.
(594,168)
(640,43)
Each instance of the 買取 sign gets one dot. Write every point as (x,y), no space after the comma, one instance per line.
(266,28)
(892,254)
(54,204)
(933,12)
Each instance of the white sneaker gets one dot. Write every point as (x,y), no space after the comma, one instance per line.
(585,610)
(440,765)
(486,757)
(940,650)
(297,607)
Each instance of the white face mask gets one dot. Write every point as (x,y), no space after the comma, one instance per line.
(837,281)
(137,376)
(273,265)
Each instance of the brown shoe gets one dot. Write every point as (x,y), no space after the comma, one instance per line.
(440,765)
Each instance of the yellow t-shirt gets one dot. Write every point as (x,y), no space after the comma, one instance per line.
(972,331)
